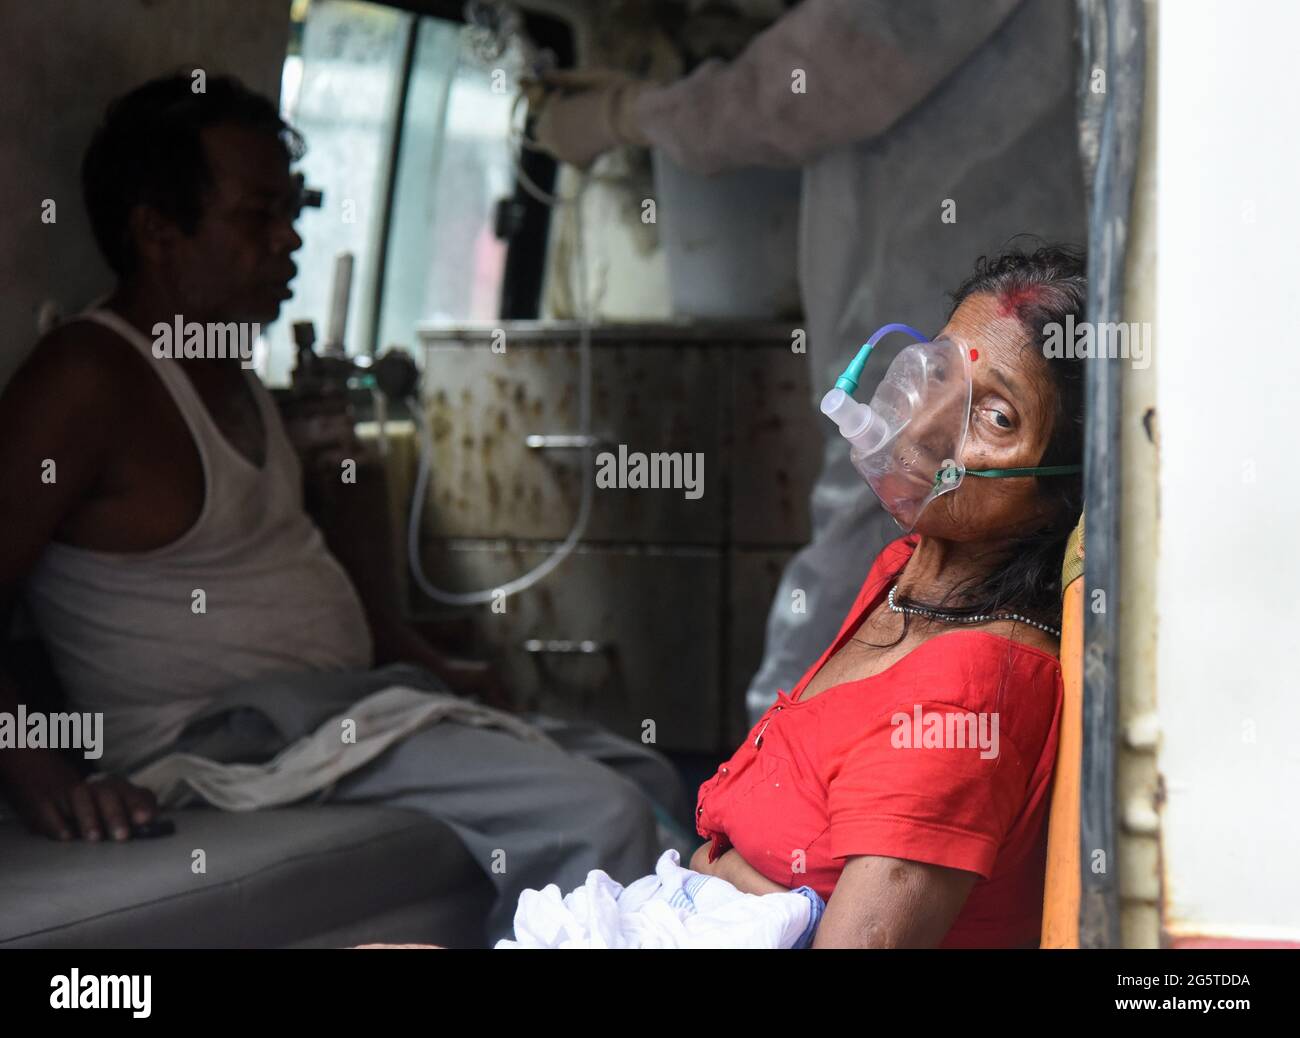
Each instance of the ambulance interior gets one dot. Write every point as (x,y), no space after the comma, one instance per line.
(576,408)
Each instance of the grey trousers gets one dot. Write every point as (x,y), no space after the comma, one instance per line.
(529,813)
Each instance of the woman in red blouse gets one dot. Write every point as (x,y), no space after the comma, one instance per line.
(906,777)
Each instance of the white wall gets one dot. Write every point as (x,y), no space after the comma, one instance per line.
(63,61)
(1229,404)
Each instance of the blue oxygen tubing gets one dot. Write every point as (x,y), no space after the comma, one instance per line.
(853,373)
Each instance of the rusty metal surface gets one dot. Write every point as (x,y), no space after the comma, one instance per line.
(487,482)
(661,613)
(744,405)
(653,611)
(776,446)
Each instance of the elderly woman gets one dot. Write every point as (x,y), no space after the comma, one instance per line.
(917,831)
(905,778)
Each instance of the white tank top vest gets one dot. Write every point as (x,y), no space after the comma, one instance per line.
(122,628)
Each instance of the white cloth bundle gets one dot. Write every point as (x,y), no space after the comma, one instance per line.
(674,908)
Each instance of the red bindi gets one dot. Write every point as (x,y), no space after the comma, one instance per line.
(974,354)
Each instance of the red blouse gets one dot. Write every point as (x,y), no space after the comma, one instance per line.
(945,757)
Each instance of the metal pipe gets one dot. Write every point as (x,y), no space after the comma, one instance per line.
(371,342)
(1113,35)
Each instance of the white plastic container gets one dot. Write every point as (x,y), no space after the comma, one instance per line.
(731,240)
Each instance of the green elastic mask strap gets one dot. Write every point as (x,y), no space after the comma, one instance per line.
(1041,470)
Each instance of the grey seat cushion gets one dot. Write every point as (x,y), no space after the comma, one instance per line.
(300,876)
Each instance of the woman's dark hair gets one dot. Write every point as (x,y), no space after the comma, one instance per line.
(1042,288)
(147,151)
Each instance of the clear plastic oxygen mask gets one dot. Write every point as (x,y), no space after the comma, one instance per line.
(907,443)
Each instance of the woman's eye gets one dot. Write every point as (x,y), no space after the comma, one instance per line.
(998,418)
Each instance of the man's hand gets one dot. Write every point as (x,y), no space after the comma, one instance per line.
(398,642)
(476,678)
(56,801)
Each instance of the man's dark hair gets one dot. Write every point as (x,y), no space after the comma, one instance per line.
(147,151)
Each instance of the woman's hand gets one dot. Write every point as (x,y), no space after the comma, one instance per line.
(736,871)
(700,860)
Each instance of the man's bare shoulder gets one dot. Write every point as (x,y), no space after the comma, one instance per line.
(78,365)
(66,406)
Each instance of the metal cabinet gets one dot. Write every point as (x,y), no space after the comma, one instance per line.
(659,614)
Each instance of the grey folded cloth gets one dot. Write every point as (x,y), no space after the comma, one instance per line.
(275,741)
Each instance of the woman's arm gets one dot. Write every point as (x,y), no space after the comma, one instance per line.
(736,871)
(892,903)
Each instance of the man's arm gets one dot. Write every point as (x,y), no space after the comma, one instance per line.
(864,65)
(354,520)
(56,421)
